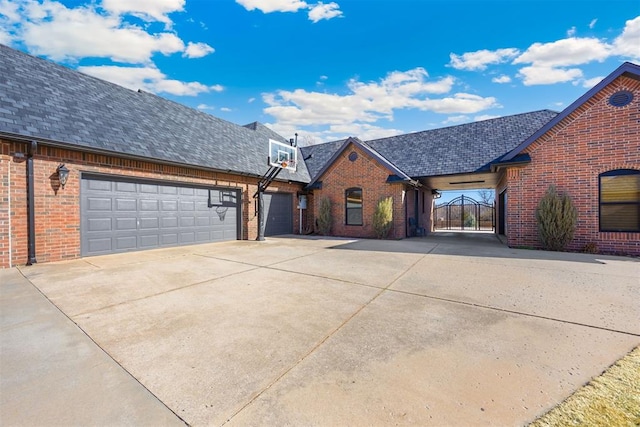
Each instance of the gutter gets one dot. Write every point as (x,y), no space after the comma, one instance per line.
(31,216)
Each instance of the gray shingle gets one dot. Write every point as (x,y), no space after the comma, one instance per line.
(49,102)
(452,150)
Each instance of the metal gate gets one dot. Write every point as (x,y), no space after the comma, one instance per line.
(464,213)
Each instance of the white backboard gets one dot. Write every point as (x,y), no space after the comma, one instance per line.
(282,155)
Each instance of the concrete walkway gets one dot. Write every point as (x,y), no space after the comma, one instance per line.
(443,330)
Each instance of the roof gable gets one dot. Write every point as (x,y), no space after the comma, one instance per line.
(627,69)
(401,176)
(63,107)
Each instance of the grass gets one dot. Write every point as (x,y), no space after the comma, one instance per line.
(612,399)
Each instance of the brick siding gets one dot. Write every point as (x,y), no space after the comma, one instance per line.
(369,175)
(593,139)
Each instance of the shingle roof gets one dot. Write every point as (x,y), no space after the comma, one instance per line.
(451,150)
(47,102)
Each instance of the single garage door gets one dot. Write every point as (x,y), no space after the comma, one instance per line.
(278,213)
(120,215)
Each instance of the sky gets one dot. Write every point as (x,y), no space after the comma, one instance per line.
(332,69)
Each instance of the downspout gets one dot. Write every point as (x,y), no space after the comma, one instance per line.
(31,237)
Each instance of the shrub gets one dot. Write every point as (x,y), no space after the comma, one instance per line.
(556,217)
(383,217)
(324,216)
(469,220)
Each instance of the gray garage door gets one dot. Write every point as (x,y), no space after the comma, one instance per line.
(119,215)
(278,211)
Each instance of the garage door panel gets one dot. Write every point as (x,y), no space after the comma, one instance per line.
(99,224)
(278,213)
(126,242)
(126,224)
(169,205)
(98,204)
(125,187)
(151,241)
(100,185)
(119,215)
(126,205)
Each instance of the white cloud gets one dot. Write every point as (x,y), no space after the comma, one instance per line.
(356,112)
(268,6)
(484,117)
(628,43)
(148,10)
(53,30)
(479,60)
(149,79)
(205,107)
(501,79)
(250,100)
(322,11)
(226,109)
(571,32)
(592,24)
(565,52)
(589,83)
(544,75)
(456,119)
(317,12)
(197,50)
(9,11)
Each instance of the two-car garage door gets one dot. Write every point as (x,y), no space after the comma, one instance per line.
(119,215)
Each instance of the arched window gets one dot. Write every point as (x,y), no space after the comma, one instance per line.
(620,200)
(353,204)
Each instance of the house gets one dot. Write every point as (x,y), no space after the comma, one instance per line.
(145,172)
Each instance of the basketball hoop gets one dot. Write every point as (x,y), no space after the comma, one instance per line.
(221,211)
(284,164)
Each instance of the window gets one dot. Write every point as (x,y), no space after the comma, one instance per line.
(620,200)
(353,202)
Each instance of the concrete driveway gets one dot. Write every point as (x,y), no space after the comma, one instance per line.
(443,330)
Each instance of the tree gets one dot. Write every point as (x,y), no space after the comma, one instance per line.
(486,196)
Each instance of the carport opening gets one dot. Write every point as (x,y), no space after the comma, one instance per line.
(471,211)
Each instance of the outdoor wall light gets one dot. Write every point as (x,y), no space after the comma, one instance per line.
(63,174)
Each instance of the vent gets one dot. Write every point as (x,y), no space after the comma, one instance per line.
(621,99)
(353,156)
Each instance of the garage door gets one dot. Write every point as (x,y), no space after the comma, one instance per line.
(119,215)
(278,209)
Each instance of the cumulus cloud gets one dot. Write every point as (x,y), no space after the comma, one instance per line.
(149,79)
(565,52)
(316,12)
(484,117)
(479,60)
(501,79)
(456,119)
(322,11)
(359,110)
(589,83)
(628,43)
(571,32)
(197,50)
(203,107)
(269,6)
(147,10)
(544,75)
(593,22)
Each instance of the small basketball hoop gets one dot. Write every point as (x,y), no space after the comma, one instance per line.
(221,211)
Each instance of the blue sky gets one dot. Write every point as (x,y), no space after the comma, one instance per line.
(327,70)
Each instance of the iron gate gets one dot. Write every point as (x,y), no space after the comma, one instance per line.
(465,213)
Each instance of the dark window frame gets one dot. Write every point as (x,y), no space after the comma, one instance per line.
(616,172)
(347,192)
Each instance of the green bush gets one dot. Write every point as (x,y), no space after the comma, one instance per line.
(469,220)
(324,216)
(556,217)
(383,217)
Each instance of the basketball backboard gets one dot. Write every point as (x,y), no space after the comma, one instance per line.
(282,155)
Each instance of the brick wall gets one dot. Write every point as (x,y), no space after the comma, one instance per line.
(57,210)
(369,175)
(593,139)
